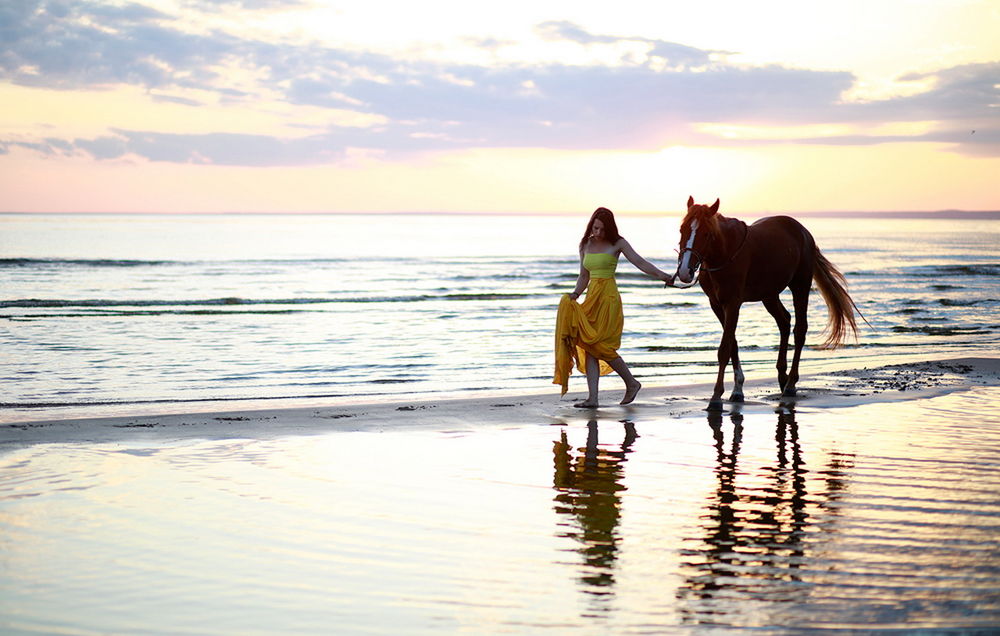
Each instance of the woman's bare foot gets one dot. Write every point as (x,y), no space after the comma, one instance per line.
(586,404)
(631,390)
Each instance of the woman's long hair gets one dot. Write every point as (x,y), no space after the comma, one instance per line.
(610,227)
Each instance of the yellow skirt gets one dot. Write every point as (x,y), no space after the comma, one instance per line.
(594,327)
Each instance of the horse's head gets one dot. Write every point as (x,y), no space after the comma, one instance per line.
(698,228)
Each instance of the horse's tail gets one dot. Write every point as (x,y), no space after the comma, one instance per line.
(833,286)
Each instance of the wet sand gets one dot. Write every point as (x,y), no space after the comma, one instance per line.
(834,389)
(869,502)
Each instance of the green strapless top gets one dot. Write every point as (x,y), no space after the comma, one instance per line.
(600,265)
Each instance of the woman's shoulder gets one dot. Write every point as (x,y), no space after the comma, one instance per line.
(608,248)
(621,245)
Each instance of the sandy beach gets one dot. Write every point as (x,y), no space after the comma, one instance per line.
(835,389)
(866,503)
(284,286)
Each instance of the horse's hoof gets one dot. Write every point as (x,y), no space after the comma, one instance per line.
(788,392)
(715,404)
(736,397)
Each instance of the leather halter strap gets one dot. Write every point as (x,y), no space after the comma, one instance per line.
(746,233)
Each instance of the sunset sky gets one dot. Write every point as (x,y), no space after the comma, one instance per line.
(515,106)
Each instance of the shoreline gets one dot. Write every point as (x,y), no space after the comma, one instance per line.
(867,500)
(821,390)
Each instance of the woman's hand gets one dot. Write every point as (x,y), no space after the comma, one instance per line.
(668,280)
(574,295)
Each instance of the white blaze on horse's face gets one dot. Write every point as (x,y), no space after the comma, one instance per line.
(685,272)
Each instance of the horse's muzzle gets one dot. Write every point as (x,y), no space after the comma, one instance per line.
(680,284)
(688,268)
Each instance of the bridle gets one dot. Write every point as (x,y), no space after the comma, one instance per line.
(699,259)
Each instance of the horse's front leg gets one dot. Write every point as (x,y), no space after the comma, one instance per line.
(738,377)
(727,349)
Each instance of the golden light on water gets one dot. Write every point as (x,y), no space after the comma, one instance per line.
(760,520)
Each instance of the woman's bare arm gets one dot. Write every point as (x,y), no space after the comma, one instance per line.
(641,263)
(582,280)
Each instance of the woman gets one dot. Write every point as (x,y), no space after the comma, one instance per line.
(589,334)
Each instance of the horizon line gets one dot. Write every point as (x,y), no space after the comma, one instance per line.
(937,214)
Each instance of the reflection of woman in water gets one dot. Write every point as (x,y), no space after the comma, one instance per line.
(588,484)
(590,333)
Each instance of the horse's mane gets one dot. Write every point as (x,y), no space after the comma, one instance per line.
(706,221)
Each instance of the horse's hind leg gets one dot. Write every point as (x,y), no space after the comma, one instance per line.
(784,322)
(800,299)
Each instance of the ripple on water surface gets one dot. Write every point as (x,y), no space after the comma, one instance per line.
(876,516)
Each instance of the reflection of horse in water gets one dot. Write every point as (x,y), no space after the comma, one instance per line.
(755,536)
(588,484)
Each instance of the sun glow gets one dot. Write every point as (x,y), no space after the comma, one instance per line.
(528,107)
(792,178)
(88,113)
(759,133)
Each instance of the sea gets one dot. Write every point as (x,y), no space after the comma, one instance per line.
(880,515)
(123,314)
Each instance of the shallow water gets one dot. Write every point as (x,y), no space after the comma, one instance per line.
(118,314)
(880,516)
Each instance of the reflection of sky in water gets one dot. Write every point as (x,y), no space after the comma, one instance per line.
(883,514)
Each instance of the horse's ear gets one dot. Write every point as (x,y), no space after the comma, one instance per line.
(715,207)
(690,201)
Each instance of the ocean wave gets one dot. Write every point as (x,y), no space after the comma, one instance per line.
(930,271)
(484,296)
(152,312)
(41,303)
(963,302)
(668,364)
(100,303)
(940,331)
(972,269)
(689,349)
(78,262)
(26,262)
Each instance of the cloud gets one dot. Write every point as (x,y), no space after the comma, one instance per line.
(107,147)
(90,45)
(971,91)
(213,148)
(281,5)
(670,52)
(651,98)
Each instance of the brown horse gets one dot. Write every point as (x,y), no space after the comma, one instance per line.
(736,263)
